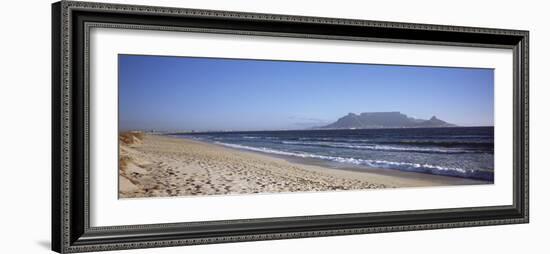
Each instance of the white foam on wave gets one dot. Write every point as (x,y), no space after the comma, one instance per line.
(379,147)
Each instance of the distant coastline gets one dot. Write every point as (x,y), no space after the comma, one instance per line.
(282,130)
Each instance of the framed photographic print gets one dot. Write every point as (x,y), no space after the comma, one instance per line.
(181,126)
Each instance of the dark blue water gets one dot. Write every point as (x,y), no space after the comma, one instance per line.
(461,152)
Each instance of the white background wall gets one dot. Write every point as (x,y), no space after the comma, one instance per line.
(25,125)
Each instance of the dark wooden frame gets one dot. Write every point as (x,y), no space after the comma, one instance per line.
(71,22)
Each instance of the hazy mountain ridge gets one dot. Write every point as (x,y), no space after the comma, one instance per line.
(368,120)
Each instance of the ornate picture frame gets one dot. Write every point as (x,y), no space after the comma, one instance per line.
(71,24)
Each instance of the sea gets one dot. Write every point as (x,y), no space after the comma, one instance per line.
(466,152)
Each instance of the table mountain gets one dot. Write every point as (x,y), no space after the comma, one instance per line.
(370,120)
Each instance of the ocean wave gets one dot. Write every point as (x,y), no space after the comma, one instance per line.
(443,143)
(383,147)
(404,166)
(256,137)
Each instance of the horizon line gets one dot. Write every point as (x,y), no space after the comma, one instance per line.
(308,129)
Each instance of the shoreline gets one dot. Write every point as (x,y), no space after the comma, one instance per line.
(450,180)
(161,166)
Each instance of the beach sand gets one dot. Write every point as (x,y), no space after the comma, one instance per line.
(161,166)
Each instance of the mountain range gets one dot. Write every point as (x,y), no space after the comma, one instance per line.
(372,120)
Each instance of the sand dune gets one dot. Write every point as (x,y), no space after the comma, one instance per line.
(160,166)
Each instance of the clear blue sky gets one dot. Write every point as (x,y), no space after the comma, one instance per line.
(182,93)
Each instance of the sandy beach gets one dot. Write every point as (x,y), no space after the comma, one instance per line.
(162,166)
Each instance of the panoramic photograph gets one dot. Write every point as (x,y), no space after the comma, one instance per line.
(195,126)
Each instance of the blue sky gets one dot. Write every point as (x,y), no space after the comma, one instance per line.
(182,93)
